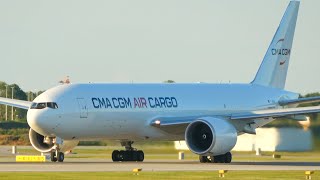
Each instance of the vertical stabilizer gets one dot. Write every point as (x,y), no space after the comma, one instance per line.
(274,67)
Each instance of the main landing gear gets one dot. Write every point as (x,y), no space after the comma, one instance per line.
(57,156)
(130,154)
(224,158)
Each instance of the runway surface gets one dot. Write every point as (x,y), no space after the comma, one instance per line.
(89,166)
(90,163)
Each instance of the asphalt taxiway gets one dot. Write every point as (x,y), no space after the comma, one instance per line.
(90,163)
(90,166)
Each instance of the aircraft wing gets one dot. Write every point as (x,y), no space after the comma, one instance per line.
(15,103)
(172,125)
(275,113)
(299,101)
(178,125)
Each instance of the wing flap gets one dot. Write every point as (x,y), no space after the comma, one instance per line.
(15,103)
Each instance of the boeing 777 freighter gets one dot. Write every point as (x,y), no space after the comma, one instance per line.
(209,117)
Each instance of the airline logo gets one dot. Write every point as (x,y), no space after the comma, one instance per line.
(280,40)
(281,51)
(136,102)
(282,62)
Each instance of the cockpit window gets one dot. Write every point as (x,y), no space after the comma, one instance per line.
(43,105)
(52,105)
(34,106)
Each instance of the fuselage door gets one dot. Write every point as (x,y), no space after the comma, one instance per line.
(83,107)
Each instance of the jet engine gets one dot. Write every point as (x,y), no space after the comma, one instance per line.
(210,136)
(47,144)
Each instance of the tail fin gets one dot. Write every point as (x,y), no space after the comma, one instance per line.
(274,67)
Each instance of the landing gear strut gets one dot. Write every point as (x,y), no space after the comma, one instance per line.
(224,158)
(130,154)
(57,156)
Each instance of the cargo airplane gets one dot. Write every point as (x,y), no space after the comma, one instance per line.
(209,117)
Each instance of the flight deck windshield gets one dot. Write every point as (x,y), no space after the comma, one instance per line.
(43,105)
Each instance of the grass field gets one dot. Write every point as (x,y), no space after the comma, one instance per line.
(233,175)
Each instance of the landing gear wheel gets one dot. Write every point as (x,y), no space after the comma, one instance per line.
(115,155)
(127,156)
(228,157)
(130,154)
(140,156)
(224,158)
(203,159)
(134,155)
(60,156)
(213,159)
(122,156)
(219,159)
(53,157)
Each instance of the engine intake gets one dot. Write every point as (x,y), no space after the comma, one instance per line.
(210,136)
(43,144)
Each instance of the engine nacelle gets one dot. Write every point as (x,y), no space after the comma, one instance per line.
(210,136)
(43,144)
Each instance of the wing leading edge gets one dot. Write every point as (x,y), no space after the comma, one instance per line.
(15,103)
(299,101)
(172,125)
(275,113)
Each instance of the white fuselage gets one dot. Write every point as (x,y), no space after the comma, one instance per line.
(124,111)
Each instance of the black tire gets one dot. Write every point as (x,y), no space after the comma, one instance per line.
(127,156)
(53,157)
(134,155)
(219,159)
(115,156)
(140,156)
(203,159)
(122,155)
(60,156)
(211,160)
(228,157)
(216,159)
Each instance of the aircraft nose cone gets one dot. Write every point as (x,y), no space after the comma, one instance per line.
(38,121)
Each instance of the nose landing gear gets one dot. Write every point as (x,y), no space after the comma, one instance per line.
(57,156)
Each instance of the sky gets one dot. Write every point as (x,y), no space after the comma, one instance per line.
(144,41)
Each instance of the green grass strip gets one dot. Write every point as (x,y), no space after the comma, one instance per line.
(232,175)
